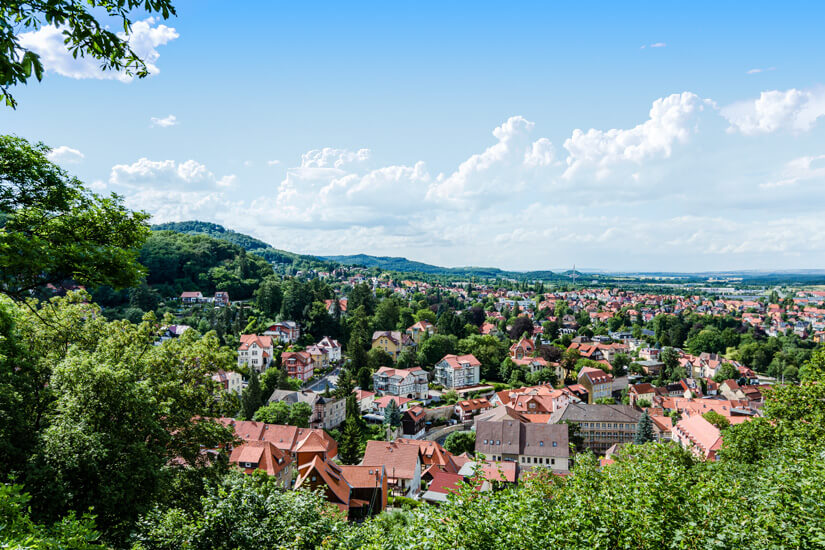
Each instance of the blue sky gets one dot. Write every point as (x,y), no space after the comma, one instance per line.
(525,135)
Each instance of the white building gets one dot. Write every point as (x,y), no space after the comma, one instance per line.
(458,371)
(255,351)
(410,383)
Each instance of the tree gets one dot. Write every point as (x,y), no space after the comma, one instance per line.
(620,363)
(435,348)
(350,443)
(85,33)
(568,362)
(365,378)
(392,414)
(361,296)
(125,414)
(386,315)
(268,297)
(460,442)
(377,358)
(276,412)
(54,230)
(450,397)
(717,419)
(251,397)
(726,372)
(488,350)
(521,325)
(299,414)
(644,430)
(240,511)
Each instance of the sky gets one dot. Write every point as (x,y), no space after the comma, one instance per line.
(520,135)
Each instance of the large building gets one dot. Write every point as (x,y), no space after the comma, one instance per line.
(285,331)
(525,443)
(298,364)
(255,352)
(458,371)
(327,412)
(391,341)
(598,383)
(601,426)
(411,383)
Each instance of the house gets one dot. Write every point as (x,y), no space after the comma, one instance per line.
(521,349)
(170,332)
(302,444)
(342,306)
(442,485)
(251,456)
(466,410)
(458,371)
(527,444)
(327,412)
(255,352)
(230,381)
(332,348)
(413,422)
(417,331)
(493,473)
(318,357)
(298,364)
(401,462)
(600,425)
(698,435)
(390,341)
(358,491)
(434,458)
(221,298)
(598,383)
(380,404)
(641,392)
(365,399)
(411,383)
(191,297)
(285,331)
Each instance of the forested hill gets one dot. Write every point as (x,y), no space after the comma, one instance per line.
(250,244)
(404,265)
(384,263)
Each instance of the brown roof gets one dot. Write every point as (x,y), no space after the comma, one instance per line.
(262,454)
(399,460)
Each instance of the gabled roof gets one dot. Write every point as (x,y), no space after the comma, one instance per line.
(399,460)
(248,339)
(457,362)
(263,454)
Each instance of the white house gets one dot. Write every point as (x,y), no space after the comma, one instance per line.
(458,371)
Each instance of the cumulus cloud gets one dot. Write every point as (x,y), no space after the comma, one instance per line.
(165,122)
(144,39)
(273,162)
(65,154)
(502,168)
(655,45)
(774,110)
(670,121)
(167,173)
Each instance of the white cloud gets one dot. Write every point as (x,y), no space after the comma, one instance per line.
(670,121)
(654,45)
(508,165)
(799,169)
(65,154)
(165,173)
(273,162)
(144,39)
(329,157)
(165,122)
(791,110)
(757,70)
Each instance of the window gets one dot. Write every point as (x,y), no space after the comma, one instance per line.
(541,443)
(485,441)
(552,461)
(555,444)
(498,442)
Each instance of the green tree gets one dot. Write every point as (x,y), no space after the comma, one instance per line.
(251,397)
(85,29)
(460,442)
(387,315)
(717,419)
(268,297)
(276,412)
(644,430)
(361,296)
(726,372)
(392,414)
(299,414)
(435,348)
(350,444)
(55,230)
(240,511)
